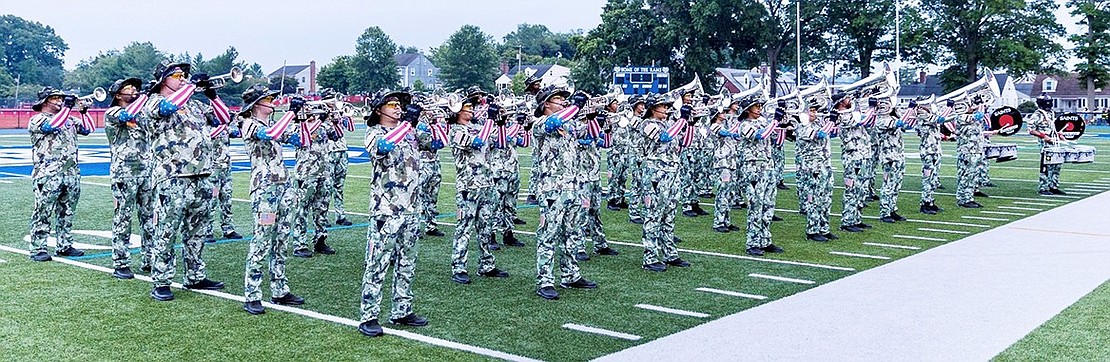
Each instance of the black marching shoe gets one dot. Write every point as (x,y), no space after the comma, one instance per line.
(989,184)
(678,262)
(327,223)
(697,208)
(934,206)
(70,251)
(775,218)
(655,267)
(343,222)
(980,194)
(739,206)
(771,248)
(41,256)
(830,236)
(411,320)
(925,209)
(1045,193)
(370,328)
(494,273)
(677,240)
(754,251)
(897,217)
(321,246)
(863,226)
(722,229)
(690,213)
(607,251)
(492,245)
(873,197)
(581,283)
(254,307)
(548,293)
(623,203)
(817,237)
(941,187)
(206,284)
(782,186)
(518,221)
(532,200)
(288,299)
(232,235)
(434,232)
(887,219)
(851,229)
(637,220)
(612,205)
(210,240)
(733,227)
(971,205)
(510,239)
(162,294)
(461,278)
(145,268)
(302,253)
(581,256)
(123,273)
(1057,192)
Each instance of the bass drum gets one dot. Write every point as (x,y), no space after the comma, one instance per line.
(1006,120)
(1070,125)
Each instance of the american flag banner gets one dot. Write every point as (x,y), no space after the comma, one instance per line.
(278,128)
(222,112)
(779,137)
(439,132)
(487,129)
(307,130)
(687,137)
(87,122)
(766,132)
(525,139)
(676,128)
(135,107)
(593,128)
(868,120)
(502,136)
(951,126)
(735,129)
(566,114)
(607,141)
(398,134)
(947,112)
(909,119)
(182,95)
(217,131)
(61,118)
(828,127)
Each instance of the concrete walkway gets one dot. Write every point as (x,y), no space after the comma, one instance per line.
(967,300)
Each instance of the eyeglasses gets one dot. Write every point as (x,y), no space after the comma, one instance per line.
(392,104)
(267,99)
(177,75)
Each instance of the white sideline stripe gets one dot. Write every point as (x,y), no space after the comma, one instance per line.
(1058,196)
(95,184)
(984,218)
(15,175)
(907,247)
(945,223)
(917,237)
(3,261)
(1020,208)
(1001,213)
(860,255)
(307,313)
(945,231)
(781,279)
(730,293)
(1034,203)
(5,182)
(604,332)
(672,311)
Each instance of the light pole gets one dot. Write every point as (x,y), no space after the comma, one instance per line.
(17,90)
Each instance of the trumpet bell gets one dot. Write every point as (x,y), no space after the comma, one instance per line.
(236,74)
(98,94)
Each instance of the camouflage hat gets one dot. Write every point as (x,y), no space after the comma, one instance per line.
(120,83)
(751,101)
(328,93)
(45,94)
(635,99)
(255,93)
(475,91)
(384,97)
(532,79)
(656,100)
(546,94)
(165,68)
(1044,102)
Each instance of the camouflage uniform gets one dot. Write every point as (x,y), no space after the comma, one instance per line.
(724,171)
(312,176)
(660,196)
(221,179)
(1043,121)
(855,154)
(930,153)
(619,156)
(273,203)
(706,148)
(889,131)
(589,196)
(557,195)
(505,169)
(637,146)
(131,187)
(57,181)
(969,152)
(394,225)
(474,197)
(983,169)
(778,159)
(869,166)
(337,163)
(182,164)
(688,169)
(814,176)
(430,179)
(758,179)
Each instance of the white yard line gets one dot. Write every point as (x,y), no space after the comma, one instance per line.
(907,247)
(1001,213)
(1020,208)
(730,293)
(984,218)
(15,175)
(945,231)
(604,332)
(672,311)
(917,237)
(744,257)
(781,279)
(2,181)
(1034,203)
(948,223)
(95,184)
(308,313)
(860,255)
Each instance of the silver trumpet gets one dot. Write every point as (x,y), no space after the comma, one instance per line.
(98,95)
(235,75)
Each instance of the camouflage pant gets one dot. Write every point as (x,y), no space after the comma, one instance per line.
(983,169)
(1049,176)
(705,179)
(778,158)
(726,194)
(312,196)
(182,209)
(274,209)
(868,171)
(930,176)
(131,193)
(738,197)
(221,193)
(506,190)
(557,219)
(589,218)
(54,196)
(339,164)
(893,172)
(759,186)
(687,182)
(635,189)
(815,190)
(475,209)
(967,177)
(660,201)
(428,193)
(390,240)
(533,176)
(855,190)
(618,173)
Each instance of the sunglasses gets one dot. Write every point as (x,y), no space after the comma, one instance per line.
(392,104)
(177,75)
(267,99)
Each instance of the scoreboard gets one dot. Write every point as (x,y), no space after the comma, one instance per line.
(642,80)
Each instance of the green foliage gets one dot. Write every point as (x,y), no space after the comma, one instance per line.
(518,83)
(31,51)
(373,67)
(418,86)
(337,75)
(288,87)
(1093,47)
(135,60)
(467,58)
(1027,107)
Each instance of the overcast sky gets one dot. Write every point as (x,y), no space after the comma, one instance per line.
(274,31)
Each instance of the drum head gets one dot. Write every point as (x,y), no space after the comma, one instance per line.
(1070,125)
(1006,120)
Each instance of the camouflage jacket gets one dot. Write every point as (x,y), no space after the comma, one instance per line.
(751,147)
(55,153)
(340,144)
(1043,121)
(664,155)
(724,154)
(811,147)
(472,168)
(969,134)
(427,154)
(929,131)
(396,174)
(312,160)
(220,143)
(855,139)
(588,158)
(267,163)
(181,144)
(556,170)
(503,161)
(622,132)
(130,145)
(889,138)
(637,140)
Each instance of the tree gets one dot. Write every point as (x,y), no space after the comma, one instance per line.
(135,60)
(1011,35)
(1092,48)
(418,86)
(373,66)
(337,75)
(408,50)
(778,39)
(289,87)
(518,83)
(32,51)
(467,58)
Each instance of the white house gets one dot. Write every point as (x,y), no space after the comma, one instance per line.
(304,74)
(550,74)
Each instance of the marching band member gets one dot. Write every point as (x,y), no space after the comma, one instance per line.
(130,170)
(312,176)
(618,156)
(181,173)
(1041,126)
(557,191)
(689,168)
(758,174)
(636,144)
(532,87)
(855,153)
(725,129)
(273,196)
(589,186)
(337,159)
(56,177)
(660,172)
(221,179)
(889,129)
(394,226)
(506,176)
(430,176)
(928,129)
(814,172)
(969,150)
